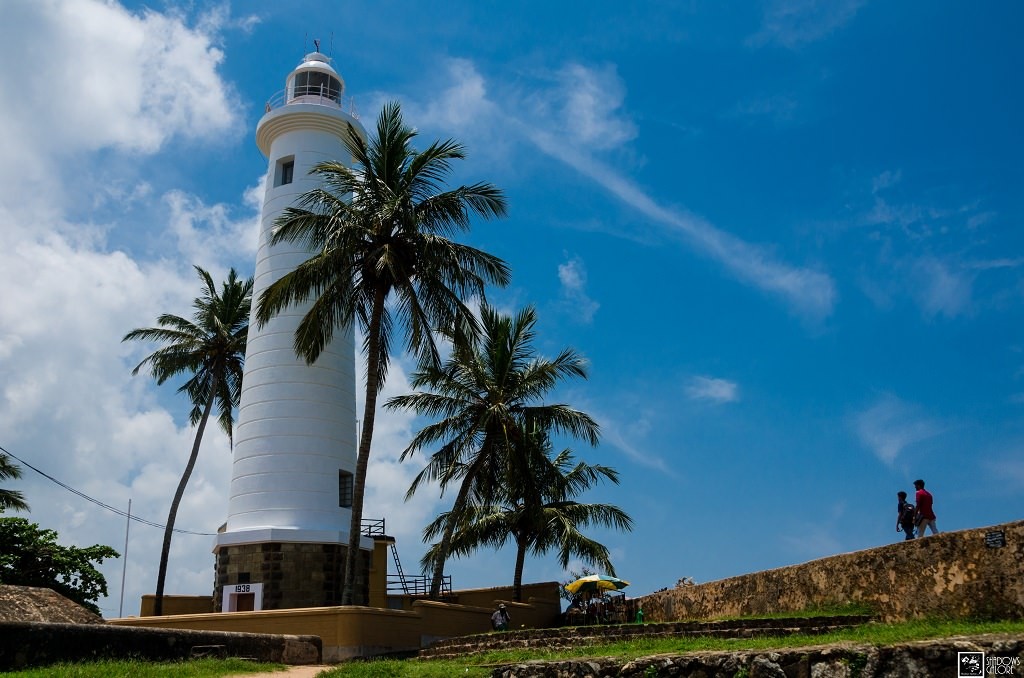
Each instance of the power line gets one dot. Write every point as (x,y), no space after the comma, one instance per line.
(100,503)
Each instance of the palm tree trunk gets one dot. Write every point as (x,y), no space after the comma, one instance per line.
(517,580)
(446,537)
(365,439)
(172,515)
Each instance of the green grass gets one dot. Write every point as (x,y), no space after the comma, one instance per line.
(481,665)
(198,668)
(828,610)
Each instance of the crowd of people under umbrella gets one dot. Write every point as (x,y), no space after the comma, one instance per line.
(598,599)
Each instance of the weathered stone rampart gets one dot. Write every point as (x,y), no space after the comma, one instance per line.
(576,637)
(27,644)
(1001,653)
(953,575)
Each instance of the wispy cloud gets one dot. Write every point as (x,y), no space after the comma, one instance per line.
(890,425)
(939,288)
(810,293)
(777,108)
(573,277)
(462,103)
(583,114)
(712,389)
(927,251)
(590,101)
(627,437)
(1008,470)
(792,23)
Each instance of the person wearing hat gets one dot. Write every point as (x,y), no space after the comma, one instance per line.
(500,618)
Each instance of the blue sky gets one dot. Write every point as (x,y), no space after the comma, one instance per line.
(785,234)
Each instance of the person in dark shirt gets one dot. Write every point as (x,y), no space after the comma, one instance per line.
(904,515)
(925,514)
(500,618)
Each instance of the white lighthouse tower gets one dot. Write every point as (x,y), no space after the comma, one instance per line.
(295,442)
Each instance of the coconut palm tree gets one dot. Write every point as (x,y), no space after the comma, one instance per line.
(382,257)
(492,385)
(211,349)
(10,499)
(538,512)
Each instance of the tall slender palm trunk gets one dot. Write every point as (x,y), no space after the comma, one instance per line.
(445,546)
(446,543)
(517,580)
(172,515)
(365,440)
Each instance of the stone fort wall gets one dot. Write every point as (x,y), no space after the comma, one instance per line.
(965,574)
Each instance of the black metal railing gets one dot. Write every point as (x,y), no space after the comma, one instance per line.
(401,583)
(417,585)
(372,527)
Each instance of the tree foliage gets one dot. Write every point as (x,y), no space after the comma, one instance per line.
(31,556)
(537,511)
(10,499)
(210,348)
(484,398)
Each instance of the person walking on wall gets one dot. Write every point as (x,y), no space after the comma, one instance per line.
(925,514)
(500,619)
(905,515)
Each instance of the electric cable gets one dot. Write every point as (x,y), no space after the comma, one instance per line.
(113,509)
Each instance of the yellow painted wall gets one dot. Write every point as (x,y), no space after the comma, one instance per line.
(355,631)
(177,605)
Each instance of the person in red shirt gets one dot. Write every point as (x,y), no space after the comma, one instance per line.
(925,514)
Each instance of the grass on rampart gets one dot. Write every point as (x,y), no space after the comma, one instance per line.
(478,666)
(130,668)
(481,665)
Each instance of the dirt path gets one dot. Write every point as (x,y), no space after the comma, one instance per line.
(290,672)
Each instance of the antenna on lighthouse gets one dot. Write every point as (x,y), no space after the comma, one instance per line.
(316,44)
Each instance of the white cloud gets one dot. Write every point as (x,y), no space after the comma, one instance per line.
(890,426)
(627,437)
(204,232)
(461,104)
(103,77)
(715,390)
(589,102)
(938,288)
(573,277)
(1007,471)
(572,120)
(779,108)
(99,93)
(792,23)
(810,293)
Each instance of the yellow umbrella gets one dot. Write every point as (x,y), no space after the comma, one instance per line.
(596,582)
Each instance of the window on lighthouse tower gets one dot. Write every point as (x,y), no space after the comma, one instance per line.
(344,489)
(285,172)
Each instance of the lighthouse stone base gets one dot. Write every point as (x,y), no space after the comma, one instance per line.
(280,574)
